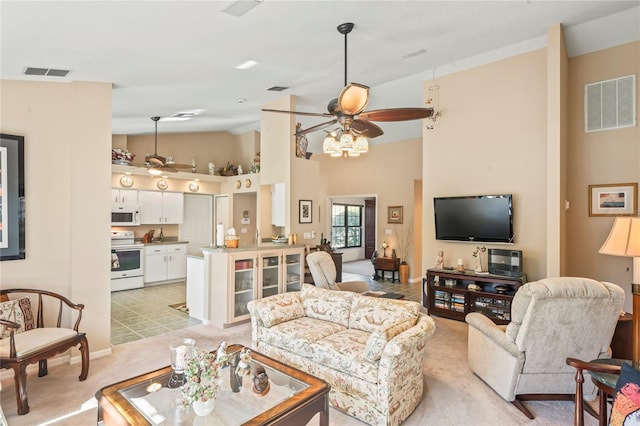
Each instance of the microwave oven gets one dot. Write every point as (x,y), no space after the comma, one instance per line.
(125,216)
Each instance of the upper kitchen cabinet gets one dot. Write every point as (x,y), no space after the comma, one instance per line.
(124,197)
(161,207)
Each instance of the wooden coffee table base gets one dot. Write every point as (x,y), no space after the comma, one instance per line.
(304,397)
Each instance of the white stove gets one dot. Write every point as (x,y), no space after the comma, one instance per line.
(127,261)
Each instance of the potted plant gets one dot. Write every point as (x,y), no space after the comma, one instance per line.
(202,379)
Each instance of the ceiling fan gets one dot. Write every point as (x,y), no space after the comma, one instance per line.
(347,108)
(157,164)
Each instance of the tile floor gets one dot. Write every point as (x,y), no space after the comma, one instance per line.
(145,312)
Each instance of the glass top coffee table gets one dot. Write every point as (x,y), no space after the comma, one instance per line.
(294,398)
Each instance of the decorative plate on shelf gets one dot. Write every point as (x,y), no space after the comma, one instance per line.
(162,184)
(194,187)
(247,183)
(238,184)
(501,288)
(126,181)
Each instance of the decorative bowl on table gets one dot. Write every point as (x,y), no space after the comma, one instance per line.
(280,240)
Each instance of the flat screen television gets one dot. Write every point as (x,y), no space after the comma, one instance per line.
(474,218)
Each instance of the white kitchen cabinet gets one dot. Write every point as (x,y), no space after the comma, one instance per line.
(124,197)
(278,205)
(235,277)
(165,262)
(161,207)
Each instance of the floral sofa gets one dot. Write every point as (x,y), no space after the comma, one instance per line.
(370,350)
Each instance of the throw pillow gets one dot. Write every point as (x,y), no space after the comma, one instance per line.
(280,308)
(626,403)
(18,311)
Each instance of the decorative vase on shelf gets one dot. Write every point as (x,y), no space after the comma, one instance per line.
(204,408)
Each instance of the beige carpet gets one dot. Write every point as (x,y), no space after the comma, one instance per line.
(453,395)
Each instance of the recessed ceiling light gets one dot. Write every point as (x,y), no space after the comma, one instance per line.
(183,115)
(416,53)
(247,64)
(277,88)
(240,7)
(242,100)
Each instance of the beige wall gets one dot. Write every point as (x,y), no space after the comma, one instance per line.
(204,147)
(387,172)
(67,130)
(611,156)
(492,139)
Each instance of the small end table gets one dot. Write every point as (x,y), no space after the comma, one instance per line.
(391,264)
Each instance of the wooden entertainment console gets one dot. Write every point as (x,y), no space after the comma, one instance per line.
(446,293)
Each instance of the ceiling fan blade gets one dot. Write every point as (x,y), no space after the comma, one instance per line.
(313,114)
(155,160)
(396,114)
(353,98)
(179,166)
(368,129)
(316,127)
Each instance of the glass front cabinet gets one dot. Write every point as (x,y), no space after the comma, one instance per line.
(237,277)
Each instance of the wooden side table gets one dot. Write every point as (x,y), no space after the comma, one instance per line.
(621,342)
(391,264)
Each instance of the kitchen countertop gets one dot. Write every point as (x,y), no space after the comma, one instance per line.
(252,247)
(164,242)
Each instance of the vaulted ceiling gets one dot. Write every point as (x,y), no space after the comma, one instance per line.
(164,57)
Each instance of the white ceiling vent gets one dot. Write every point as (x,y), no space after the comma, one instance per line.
(610,104)
(240,7)
(48,72)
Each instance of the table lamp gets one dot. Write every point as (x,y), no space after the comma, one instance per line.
(624,240)
(384,248)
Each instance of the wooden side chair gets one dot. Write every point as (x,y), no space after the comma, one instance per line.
(25,339)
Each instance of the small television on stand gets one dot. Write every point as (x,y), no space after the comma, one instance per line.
(474,218)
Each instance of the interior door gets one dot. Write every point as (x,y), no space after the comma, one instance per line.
(369,227)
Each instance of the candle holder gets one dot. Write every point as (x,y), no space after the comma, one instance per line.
(181,352)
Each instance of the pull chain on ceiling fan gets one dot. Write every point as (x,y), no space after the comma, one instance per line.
(350,139)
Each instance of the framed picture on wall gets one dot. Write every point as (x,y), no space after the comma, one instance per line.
(12,206)
(304,212)
(618,199)
(394,214)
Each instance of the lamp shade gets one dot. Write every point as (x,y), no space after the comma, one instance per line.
(624,238)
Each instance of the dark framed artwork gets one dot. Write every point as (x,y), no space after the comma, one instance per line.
(617,199)
(304,212)
(394,214)
(12,209)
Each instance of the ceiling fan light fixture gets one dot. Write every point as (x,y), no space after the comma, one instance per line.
(361,145)
(353,98)
(154,172)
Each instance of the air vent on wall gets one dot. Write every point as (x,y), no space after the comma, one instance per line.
(49,72)
(277,88)
(610,104)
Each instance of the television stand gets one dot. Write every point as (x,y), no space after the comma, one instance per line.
(450,294)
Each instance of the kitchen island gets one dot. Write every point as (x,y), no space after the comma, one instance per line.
(221,281)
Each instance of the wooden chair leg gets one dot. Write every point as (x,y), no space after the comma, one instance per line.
(522,408)
(84,352)
(20,380)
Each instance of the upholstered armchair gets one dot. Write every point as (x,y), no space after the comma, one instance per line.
(551,320)
(323,271)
